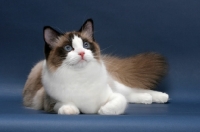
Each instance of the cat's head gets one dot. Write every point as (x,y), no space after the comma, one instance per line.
(73,49)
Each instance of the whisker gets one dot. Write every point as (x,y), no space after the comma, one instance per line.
(105,48)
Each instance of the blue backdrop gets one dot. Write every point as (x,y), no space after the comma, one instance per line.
(122,28)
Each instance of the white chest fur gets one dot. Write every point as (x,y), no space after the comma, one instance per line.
(86,87)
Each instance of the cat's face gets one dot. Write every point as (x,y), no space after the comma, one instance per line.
(72,49)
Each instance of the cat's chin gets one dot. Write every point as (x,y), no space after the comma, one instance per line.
(81,64)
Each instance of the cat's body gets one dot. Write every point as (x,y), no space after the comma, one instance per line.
(86,88)
(76,78)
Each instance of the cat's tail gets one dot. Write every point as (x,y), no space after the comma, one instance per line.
(141,71)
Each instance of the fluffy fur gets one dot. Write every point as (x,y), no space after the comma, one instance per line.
(76,78)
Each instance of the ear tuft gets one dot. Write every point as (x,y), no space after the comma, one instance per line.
(87,29)
(50,35)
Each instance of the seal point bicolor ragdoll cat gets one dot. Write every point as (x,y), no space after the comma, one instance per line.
(75,77)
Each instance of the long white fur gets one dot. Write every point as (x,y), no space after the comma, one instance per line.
(82,85)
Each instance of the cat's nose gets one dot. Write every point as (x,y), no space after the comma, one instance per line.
(81,54)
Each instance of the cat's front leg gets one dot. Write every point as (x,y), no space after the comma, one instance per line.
(115,105)
(66,109)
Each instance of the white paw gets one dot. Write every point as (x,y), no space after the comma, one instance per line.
(68,110)
(146,98)
(110,109)
(160,98)
(115,106)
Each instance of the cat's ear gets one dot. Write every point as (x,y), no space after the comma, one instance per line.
(87,29)
(50,36)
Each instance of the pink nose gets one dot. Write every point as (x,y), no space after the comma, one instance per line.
(81,54)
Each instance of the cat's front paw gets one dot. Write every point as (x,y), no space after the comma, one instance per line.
(109,110)
(115,106)
(68,110)
(160,97)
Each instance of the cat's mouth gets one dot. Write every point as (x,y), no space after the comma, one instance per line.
(83,59)
(80,63)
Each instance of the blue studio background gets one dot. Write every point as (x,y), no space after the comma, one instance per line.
(122,28)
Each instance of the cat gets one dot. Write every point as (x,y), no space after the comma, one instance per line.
(75,78)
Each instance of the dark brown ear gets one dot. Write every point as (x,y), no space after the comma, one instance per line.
(87,29)
(50,35)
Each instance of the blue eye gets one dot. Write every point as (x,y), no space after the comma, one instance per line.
(86,45)
(68,48)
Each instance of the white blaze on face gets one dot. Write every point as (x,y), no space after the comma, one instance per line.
(77,44)
(80,56)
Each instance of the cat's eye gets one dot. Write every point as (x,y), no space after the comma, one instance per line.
(86,45)
(68,48)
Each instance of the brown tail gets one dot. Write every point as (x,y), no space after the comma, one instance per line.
(140,71)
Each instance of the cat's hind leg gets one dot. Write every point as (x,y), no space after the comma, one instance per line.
(157,97)
(139,95)
(147,96)
(66,109)
(143,98)
(115,105)
(38,99)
